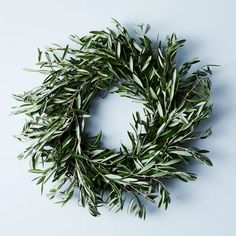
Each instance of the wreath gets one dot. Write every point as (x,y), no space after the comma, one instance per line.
(175,99)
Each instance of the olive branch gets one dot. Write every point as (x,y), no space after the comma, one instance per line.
(175,100)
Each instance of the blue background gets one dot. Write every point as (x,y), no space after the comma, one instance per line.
(204,207)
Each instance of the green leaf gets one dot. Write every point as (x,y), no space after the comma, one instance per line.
(78,101)
(36,171)
(182,153)
(161,128)
(118,49)
(131,64)
(185,176)
(173,84)
(112,176)
(39,55)
(172,162)
(147,167)
(65,52)
(146,64)
(137,80)
(137,46)
(160,110)
(153,94)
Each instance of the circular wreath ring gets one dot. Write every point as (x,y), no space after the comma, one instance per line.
(175,100)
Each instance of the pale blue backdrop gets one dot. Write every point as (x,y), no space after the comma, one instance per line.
(204,207)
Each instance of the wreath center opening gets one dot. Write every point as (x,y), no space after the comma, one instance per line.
(113,115)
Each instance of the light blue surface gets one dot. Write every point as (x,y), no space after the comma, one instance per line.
(201,208)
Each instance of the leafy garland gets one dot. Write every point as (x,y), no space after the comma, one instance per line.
(175,100)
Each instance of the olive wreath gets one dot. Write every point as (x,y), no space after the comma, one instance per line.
(175,99)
